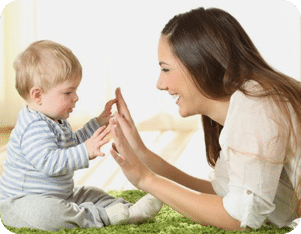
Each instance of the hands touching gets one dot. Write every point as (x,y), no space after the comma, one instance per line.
(126,150)
(94,143)
(127,125)
(128,147)
(133,168)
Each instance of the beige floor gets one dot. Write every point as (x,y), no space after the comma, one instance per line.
(4,137)
(183,149)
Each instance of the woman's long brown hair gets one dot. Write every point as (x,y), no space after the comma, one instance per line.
(220,57)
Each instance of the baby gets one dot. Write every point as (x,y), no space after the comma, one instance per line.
(37,189)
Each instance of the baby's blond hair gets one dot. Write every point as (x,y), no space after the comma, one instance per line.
(45,64)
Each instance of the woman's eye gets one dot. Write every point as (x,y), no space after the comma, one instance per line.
(165,70)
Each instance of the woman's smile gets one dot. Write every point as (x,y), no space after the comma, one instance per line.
(175,79)
(176,97)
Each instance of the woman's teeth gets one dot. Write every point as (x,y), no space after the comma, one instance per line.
(176,96)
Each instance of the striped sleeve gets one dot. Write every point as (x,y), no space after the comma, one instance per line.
(40,148)
(87,131)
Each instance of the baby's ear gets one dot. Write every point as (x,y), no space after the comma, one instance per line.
(36,95)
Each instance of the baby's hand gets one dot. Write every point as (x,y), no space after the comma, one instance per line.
(104,117)
(95,142)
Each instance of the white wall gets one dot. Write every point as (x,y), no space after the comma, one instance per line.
(16,31)
(116,42)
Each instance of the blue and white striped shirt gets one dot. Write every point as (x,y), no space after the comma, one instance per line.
(42,155)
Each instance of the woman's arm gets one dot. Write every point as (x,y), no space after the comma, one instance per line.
(206,209)
(202,208)
(161,167)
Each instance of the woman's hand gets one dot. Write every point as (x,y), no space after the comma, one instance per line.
(133,168)
(127,124)
(104,117)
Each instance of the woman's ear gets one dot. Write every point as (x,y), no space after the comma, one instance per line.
(36,95)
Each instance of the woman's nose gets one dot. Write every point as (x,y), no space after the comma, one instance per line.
(161,83)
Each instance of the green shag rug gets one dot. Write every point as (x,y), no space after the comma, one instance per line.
(167,221)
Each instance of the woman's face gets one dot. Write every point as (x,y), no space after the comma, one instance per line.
(175,79)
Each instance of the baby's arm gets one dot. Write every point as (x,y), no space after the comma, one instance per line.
(41,149)
(89,128)
(104,117)
(87,131)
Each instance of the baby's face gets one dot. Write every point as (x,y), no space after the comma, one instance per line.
(59,101)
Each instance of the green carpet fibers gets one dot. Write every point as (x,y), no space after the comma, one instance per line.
(167,221)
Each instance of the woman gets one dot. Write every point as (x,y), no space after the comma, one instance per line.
(251,118)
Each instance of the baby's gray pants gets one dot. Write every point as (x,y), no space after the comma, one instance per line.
(85,207)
